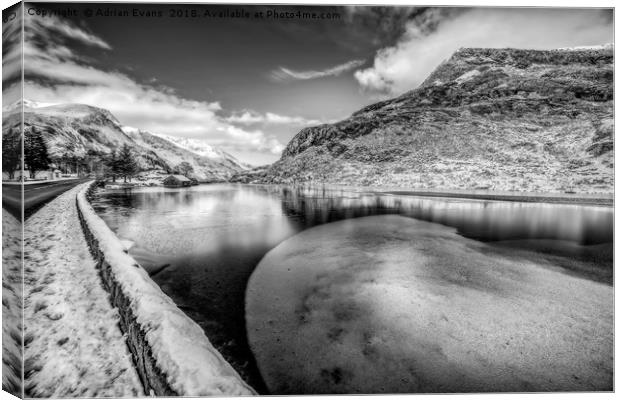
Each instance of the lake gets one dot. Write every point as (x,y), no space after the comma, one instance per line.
(201,244)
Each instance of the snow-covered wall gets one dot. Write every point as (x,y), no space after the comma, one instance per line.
(171,352)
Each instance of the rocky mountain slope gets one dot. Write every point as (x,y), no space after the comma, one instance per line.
(78,130)
(204,149)
(496,119)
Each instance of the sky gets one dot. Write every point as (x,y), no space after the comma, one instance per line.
(249,84)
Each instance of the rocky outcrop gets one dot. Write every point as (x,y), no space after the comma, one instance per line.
(498,119)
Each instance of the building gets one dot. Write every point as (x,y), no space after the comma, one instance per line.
(177,181)
(44,175)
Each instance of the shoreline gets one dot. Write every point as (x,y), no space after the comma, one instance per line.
(582,199)
(552,198)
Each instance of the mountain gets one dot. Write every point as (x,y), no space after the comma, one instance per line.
(82,131)
(215,166)
(204,149)
(16,107)
(497,119)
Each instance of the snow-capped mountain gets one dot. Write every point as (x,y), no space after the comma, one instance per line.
(28,104)
(91,133)
(202,148)
(175,153)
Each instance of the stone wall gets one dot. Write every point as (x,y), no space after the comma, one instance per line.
(153,380)
(216,378)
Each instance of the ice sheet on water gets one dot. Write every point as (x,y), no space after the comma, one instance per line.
(392,304)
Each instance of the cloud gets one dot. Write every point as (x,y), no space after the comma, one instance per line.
(251,118)
(12,50)
(434,36)
(387,24)
(62,29)
(56,74)
(256,139)
(283,74)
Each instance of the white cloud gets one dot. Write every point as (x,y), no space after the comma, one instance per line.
(55,74)
(403,67)
(282,74)
(246,118)
(256,139)
(252,117)
(11,94)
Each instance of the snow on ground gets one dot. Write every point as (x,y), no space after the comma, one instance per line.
(192,365)
(74,345)
(467,76)
(389,304)
(11,305)
(595,47)
(17,106)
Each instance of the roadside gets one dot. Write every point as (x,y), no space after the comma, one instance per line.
(36,195)
(38,181)
(11,305)
(73,344)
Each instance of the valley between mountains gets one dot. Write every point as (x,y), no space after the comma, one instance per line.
(89,134)
(485,119)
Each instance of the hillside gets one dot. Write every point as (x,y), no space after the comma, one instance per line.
(496,119)
(82,131)
(212,167)
(203,149)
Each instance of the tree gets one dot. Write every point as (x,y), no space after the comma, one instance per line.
(94,162)
(112,165)
(35,152)
(128,166)
(11,152)
(184,168)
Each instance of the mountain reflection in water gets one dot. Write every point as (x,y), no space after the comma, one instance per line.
(202,243)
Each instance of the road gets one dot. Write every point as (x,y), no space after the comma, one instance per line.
(35,195)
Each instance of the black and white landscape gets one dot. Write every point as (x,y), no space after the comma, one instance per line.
(322,200)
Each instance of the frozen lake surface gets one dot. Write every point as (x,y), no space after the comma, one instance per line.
(389,304)
(201,244)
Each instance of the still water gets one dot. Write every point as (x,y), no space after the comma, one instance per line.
(202,243)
